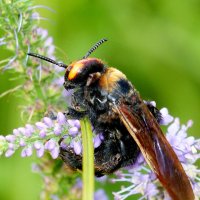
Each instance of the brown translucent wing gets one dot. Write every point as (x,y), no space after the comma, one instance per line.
(157,151)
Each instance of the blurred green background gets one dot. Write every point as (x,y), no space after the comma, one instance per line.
(155,43)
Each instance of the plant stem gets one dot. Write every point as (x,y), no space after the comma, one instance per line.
(88,160)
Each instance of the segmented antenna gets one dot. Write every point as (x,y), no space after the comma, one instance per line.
(47,59)
(95,47)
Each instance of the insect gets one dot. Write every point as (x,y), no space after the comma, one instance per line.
(129,125)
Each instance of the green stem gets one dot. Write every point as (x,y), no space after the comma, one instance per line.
(40,93)
(88,160)
(10,91)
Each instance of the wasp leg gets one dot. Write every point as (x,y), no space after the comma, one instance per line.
(115,151)
(103,163)
(108,157)
(72,160)
(93,78)
(75,114)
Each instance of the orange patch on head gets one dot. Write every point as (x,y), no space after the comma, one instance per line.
(76,68)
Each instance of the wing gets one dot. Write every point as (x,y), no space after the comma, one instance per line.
(156,150)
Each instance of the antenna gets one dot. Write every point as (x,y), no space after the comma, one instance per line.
(95,47)
(47,59)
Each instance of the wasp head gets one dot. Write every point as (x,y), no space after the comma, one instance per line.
(78,72)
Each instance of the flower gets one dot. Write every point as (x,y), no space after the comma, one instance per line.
(143,181)
(44,136)
(77,146)
(166,118)
(100,195)
(97,140)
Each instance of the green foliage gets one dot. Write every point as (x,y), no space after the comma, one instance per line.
(21,34)
(40,95)
(156,43)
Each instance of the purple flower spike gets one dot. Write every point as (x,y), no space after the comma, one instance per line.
(67,93)
(23,153)
(174,127)
(22,130)
(42,32)
(63,145)
(16,132)
(55,152)
(50,145)
(38,145)
(77,147)
(42,134)
(101,136)
(77,124)
(10,138)
(48,41)
(189,124)
(142,179)
(29,151)
(40,152)
(166,118)
(151,190)
(97,141)
(30,128)
(59,81)
(48,122)
(73,131)
(35,15)
(2,138)
(61,118)
(28,133)
(100,195)
(22,142)
(40,125)
(54,197)
(11,146)
(71,122)
(50,50)
(57,130)
(9,153)
(74,122)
